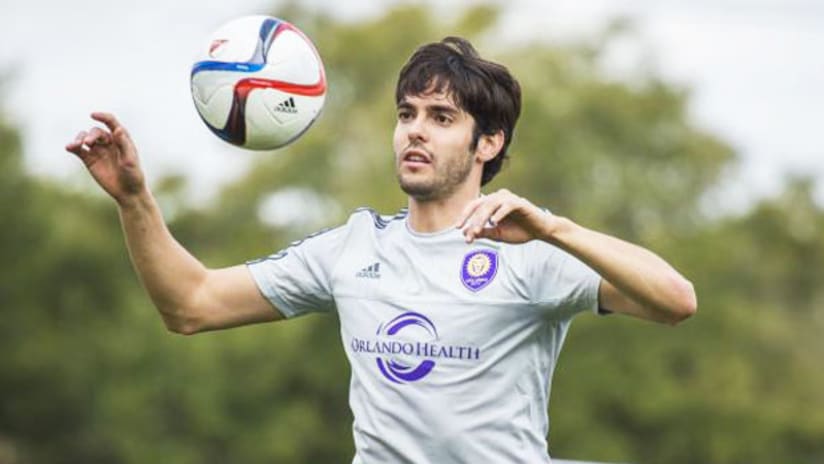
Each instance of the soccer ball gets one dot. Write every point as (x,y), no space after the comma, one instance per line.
(259,83)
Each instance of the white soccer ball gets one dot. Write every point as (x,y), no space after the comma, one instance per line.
(259,82)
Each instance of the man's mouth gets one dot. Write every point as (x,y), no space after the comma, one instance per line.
(416,156)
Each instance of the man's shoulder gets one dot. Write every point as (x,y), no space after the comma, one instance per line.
(359,224)
(366,216)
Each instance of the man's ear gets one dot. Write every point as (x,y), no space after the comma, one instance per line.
(489,146)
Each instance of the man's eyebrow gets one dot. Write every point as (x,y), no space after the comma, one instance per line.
(434,108)
(442,109)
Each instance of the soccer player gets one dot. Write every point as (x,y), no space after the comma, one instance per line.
(453,311)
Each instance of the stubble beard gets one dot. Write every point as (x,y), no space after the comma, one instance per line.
(442,184)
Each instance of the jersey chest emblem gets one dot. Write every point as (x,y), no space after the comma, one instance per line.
(479,268)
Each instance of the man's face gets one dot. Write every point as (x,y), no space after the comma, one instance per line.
(431,142)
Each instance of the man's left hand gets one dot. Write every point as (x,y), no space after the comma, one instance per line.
(506,217)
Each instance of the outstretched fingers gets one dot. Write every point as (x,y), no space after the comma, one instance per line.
(108,119)
(503,210)
(76,145)
(467,212)
(97,136)
(480,216)
(91,144)
(119,134)
(496,216)
(501,216)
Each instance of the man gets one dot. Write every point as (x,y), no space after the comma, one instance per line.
(452,312)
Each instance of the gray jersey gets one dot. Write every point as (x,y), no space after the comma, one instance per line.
(452,345)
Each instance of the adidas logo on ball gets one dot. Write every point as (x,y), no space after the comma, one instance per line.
(287,106)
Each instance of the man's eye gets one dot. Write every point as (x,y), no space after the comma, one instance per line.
(404,115)
(443,119)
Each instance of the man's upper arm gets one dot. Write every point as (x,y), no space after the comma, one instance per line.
(229,297)
(613,300)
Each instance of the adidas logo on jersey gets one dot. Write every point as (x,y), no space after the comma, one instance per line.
(287,106)
(370,272)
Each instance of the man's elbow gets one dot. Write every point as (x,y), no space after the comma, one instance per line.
(183,329)
(182,322)
(685,302)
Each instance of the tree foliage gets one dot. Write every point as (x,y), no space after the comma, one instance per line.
(88,373)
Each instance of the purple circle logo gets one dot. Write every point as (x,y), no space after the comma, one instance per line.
(479,268)
(397,369)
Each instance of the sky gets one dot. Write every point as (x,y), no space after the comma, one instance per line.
(754,67)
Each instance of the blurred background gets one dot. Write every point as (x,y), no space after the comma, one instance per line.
(690,129)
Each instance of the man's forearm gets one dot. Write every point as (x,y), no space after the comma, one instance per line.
(168,271)
(637,272)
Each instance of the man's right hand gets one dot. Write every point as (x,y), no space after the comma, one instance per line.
(190,297)
(111,158)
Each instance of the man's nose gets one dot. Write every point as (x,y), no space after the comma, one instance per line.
(416,130)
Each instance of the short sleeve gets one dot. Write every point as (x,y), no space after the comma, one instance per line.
(297,280)
(561,283)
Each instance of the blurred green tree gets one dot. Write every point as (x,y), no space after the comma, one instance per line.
(88,373)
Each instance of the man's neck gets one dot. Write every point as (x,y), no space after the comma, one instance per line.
(427,216)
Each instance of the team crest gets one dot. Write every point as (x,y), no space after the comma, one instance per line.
(479,268)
